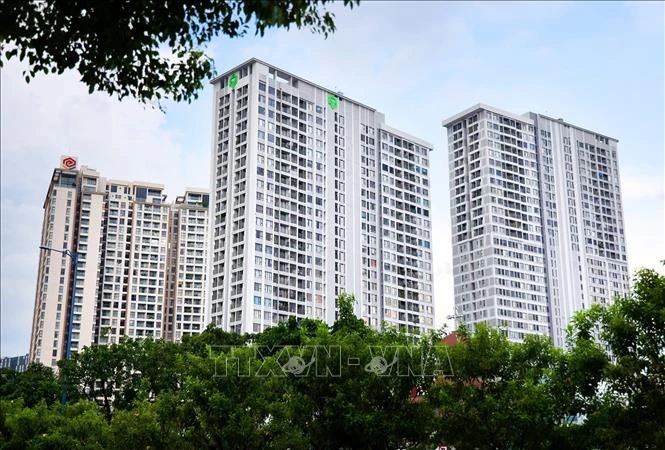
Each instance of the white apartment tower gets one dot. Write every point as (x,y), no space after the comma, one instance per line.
(313,196)
(188,265)
(537,222)
(120,232)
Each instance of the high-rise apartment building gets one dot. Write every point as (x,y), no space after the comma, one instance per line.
(141,263)
(188,265)
(537,222)
(314,195)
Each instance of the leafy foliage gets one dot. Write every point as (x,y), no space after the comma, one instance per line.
(146,49)
(347,322)
(38,383)
(304,385)
(627,408)
(501,395)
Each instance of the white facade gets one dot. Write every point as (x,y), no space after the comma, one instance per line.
(53,275)
(537,230)
(120,231)
(582,218)
(298,181)
(188,265)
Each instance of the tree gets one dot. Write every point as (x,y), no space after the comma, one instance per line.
(292,332)
(160,366)
(304,384)
(627,409)
(38,383)
(143,427)
(502,394)
(291,387)
(347,322)
(358,393)
(212,337)
(41,427)
(118,46)
(107,374)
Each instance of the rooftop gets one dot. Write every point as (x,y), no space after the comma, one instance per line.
(256,60)
(526,118)
(482,106)
(560,120)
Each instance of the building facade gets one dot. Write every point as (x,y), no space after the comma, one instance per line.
(125,284)
(188,265)
(314,195)
(537,222)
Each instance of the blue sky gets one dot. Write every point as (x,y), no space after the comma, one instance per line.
(597,65)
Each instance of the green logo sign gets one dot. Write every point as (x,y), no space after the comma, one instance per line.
(333,101)
(233,81)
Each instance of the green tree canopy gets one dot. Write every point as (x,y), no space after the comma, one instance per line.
(38,383)
(501,395)
(627,409)
(304,385)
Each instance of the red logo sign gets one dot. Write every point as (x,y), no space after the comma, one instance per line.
(68,163)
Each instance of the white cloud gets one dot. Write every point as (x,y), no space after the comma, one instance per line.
(120,139)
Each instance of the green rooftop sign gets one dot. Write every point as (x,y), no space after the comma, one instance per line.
(333,101)
(233,80)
